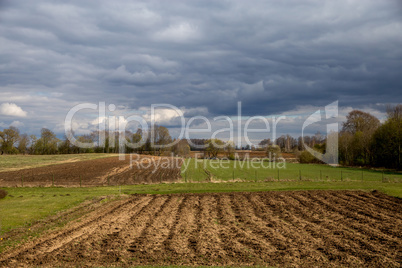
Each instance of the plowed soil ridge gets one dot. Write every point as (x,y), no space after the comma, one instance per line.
(300,228)
(137,169)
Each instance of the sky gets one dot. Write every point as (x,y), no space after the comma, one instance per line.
(286,58)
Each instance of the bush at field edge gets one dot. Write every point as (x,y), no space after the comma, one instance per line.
(3,193)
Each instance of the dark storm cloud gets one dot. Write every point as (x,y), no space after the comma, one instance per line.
(274,56)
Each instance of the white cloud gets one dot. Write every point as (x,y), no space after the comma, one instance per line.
(12,109)
(162,116)
(121,74)
(181,32)
(17,123)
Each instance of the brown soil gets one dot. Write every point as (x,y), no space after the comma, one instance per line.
(297,229)
(104,171)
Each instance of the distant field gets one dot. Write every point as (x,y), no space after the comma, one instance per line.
(225,170)
(133,169)
(17,162)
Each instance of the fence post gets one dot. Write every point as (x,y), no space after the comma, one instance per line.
(278,174)
(160,178)
(80,181)
(255,176)
(53,180)
(22,180)
(320,176)
(341,176)
(299,174)
(382,176)
(233,176)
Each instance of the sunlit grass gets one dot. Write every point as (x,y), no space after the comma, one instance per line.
(226,170)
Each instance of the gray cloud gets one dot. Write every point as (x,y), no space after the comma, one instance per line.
(208,55)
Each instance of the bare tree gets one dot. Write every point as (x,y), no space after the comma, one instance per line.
(361,126)
(8,138)
(214,147)
(181,148)
(48,142)
(23,143)
(360,121)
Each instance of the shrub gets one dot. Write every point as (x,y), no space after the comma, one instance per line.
(273,151)
(3,193)
(306,157)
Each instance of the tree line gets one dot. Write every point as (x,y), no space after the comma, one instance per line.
(150,142)
(363,141)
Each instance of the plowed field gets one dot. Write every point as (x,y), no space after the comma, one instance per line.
(300,228)
(105,171)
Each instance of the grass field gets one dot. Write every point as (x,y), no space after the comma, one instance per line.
(17,162)
(201,170)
